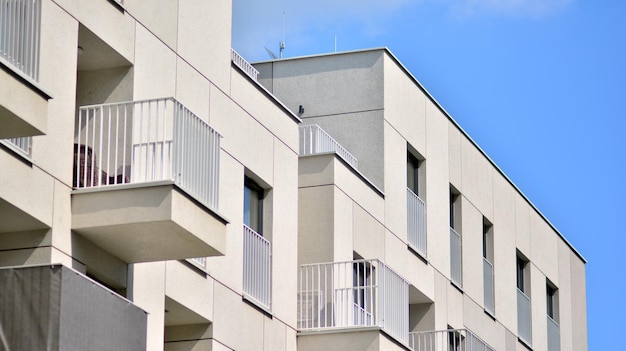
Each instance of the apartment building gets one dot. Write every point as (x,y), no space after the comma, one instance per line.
(409,235)
(158,192)
(147,182)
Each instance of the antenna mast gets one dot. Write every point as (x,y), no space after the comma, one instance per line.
(282,43)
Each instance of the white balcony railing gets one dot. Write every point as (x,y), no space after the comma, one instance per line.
(20,22)
(456,268)
(315,140)
(257,267)
(554,335)
(416,222)
(447,340)
(245,66)
(488,286)
(22,144)
(524,318)
(357,293)
(147,141)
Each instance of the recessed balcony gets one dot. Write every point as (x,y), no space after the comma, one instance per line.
(315,140)
(451,339)
(146,181)
(360,294)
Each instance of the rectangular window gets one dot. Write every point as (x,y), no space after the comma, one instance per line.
(416,207)
(455,209)
(552,310)
(363,292)
(456,259)
(257,249)
(456,341)
(552,301)
(522,275)
(488,276)
(412,173)
(524,314)
(253,205)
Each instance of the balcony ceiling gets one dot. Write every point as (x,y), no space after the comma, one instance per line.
(96,54)
(12,219)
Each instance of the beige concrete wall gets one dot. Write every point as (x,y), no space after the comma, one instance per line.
(337,92)
(203,38)
(579,304)
(410,118)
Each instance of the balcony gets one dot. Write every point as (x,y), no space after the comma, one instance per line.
(524,318)
(23,105)
(257,268)
(146,177)
(447,340)
(244,65)
(314,140)
(416,222)
(353,294)
(456,268)
(554,335)
(20,145)
(56,308)
(488,287)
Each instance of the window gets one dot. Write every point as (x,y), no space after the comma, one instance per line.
(487,240)
(455,209)
(523,276)
(456,341)
(552,310)
(552,301)
(488,277)
(257,250)
(416,208)
(413,173)
(253,205)
(363,288)
(456,259)
(524,313)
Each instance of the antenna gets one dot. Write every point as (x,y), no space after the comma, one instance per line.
(282,43)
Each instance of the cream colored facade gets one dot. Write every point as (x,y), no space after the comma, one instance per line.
(136,237)
(373,107)
(134,151)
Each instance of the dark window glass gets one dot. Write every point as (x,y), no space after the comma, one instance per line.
(253,206)
(521,264)
(412,174)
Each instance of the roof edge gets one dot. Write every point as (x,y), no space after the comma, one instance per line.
(456,124)
(390,54)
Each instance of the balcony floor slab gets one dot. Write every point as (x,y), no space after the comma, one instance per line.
(147,223)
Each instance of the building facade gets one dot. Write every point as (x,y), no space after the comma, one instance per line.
(437,248)
(158,192)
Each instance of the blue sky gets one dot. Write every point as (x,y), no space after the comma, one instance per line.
(540,85)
